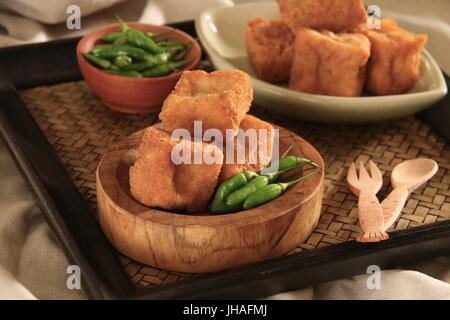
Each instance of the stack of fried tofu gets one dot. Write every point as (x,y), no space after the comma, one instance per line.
(218,101)
(325,47)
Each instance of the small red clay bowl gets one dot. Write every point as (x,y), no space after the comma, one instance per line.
(133,95)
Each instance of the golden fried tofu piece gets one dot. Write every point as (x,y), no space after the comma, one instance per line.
(270,48)
(333,15)
(394,64)
(219,99)
(328,63)
(252,153)
(156,180)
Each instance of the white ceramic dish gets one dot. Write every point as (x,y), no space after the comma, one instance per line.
(222,31)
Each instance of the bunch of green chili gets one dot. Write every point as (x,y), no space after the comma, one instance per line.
(134,53)
(249,189)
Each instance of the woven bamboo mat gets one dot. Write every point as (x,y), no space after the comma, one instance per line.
(80,128)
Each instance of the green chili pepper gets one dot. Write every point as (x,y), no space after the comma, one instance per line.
(140,66)
(228,186)
(292,161)
(267,193)
(274,175)
(162,57)
(112,51)
(263,195)
(289,162)
(282,156)
(125,73)
(99,47)
(295,174)
(99,62)
(121,40)
(169,43)
(174,50)
(139,39)
(174,53)
(239,196)
(158,71)
(177,56)
(224,208)
(162,69)
(178,64)
(271,191)
(122,61)
(112,37)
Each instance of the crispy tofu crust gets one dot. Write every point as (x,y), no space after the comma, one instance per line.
(394,65)
(252,160)
(334,15)
(270,48)
(328,63)
(156,181)
(219,99)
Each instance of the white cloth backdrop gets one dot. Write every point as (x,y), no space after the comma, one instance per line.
(32,264)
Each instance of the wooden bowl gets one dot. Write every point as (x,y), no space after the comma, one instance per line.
(133,95)
(204,242)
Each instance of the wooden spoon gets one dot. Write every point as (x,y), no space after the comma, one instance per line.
(406,177)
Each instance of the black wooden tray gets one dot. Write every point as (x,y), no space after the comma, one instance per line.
(53,62)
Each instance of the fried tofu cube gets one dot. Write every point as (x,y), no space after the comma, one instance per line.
(157,180)
(270,48)
(394,64)
(250,150)
(328,63)
(152,175)
(333,15)
(219,100)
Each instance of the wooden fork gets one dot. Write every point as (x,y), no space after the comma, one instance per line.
(369,208)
